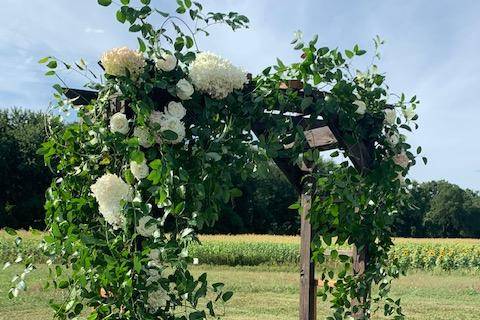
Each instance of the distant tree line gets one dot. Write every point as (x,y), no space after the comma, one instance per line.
(434,209)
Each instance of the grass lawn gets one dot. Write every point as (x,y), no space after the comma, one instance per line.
(273,294)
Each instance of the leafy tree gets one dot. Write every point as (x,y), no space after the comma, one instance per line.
(23,177)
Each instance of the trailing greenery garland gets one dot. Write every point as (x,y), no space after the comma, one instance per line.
(151,160)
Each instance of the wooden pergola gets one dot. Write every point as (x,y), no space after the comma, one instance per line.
(322,134)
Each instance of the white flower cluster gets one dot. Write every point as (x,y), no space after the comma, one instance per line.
(158,299)
(216,76)
(166,62)
(139,170)
(117,60)
(144,136)
(109,190)
(184,89)
(147,226)
(170,120)
(119,123)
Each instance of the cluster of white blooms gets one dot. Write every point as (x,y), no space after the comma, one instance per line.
(139,170)
(109,190)
(118,60)
(143,135)
(170,120)
(401,159)
(409,113)
(184,89)
(119,123)
(166,62)
(147,226)
(158,299)
(393,139)
(361,107)
(215,76)
(390,116)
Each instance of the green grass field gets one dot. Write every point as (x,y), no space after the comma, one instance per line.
(272,293)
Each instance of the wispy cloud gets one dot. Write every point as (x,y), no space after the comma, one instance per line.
(93,30)
(428,53)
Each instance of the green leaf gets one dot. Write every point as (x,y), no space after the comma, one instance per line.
(52,64)
(125,2)
(43,60)
(135,28)
(425,160)
(137,156)
(121,17)
(141,45)
(145,2)
(179,43)
(349,54)
(105,3)
(10,231)
(294,206)
(227,296)
(169,135)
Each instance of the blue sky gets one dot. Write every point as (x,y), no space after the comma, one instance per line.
(431,50)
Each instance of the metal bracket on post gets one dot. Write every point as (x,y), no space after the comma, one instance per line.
(307,267)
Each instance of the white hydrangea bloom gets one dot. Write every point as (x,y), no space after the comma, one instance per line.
(215,75)
(158,299)
(175,125)
(157,118)
(109,190)
(184,89)
(167,62)
(139,170)
(117,60)
(143,229)
(393,139)
(119,123)
(390,116)
(143,135)
(176,110)
(361,107)
(409,113)
(401,159)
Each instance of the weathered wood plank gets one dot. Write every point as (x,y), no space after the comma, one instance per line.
(307,267)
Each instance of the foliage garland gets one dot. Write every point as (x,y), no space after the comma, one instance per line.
(157,180)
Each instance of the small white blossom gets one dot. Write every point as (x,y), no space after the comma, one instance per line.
(393,139)
(147,226)
(409,113)
(215,75)
(109,191)
(176,110)
(184,89)
(139,170)
(157,118)
(158,299)
(143,135)
(119,123)
(167,62)
(175,125)
(195,261)
(118,60)
(390,116)
(361,107)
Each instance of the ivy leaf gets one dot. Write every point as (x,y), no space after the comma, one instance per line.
(141,45)
(169,135)
(105,3)
(121,16)
(227,296)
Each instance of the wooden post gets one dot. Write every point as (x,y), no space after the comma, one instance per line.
(307,267)
(359,264)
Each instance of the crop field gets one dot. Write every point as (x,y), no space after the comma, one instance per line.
(254,250)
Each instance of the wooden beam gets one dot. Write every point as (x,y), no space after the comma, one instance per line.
(359,265)
(307,266)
